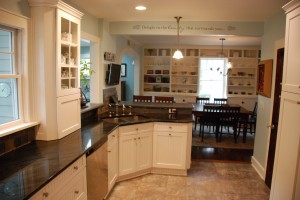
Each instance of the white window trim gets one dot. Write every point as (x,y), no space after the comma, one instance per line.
(26,94)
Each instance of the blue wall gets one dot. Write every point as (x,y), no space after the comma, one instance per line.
(129,77)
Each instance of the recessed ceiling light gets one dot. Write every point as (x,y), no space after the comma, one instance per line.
(140,8)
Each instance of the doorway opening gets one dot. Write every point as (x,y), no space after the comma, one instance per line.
(127,78)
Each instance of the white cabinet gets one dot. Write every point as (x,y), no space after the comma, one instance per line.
(286,174)
(286,178)
(246,102)
(70,184)
(291,71)
(56,53)
(135,148)
(171,145)
(112,158)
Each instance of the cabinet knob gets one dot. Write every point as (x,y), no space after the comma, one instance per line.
(113,136)
(108,151)
(170,134)
(298,102)
(271,126)
(134,138)
(76,192)
(136,129)
(45,194)
(170,127)
(139,138)
(75,167)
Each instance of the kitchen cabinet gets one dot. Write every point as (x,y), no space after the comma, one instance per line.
(135,148)
(56,30)
(290,78)
(112,158)
(171,145)
(70,184)
(286,173)
(246,102)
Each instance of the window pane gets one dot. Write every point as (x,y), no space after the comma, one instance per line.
(6,63)
(212,83)
(6,52)
(9,110)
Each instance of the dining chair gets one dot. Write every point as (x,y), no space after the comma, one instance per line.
(249,122)
(209,118)
(202,100)
(161,99)
(229,117)
(220,101)
(140,98)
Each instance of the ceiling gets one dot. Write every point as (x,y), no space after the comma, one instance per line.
(190,10)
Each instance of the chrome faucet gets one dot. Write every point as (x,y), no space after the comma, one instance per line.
(129,110)
(123,109)
(109,110)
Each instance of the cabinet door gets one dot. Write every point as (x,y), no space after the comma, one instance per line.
(112,148)
(127,154)
(169,149)
(286,175)
(68,114)
(247,103)
(144,150)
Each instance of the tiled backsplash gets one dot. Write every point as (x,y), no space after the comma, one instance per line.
(15,140)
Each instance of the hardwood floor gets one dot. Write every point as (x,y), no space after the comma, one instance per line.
(222,154)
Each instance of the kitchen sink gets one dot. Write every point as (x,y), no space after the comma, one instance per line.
(126,119)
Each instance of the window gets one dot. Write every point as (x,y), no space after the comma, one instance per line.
(10,79)
(212,83)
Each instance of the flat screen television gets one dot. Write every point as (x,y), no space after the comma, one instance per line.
(113,74)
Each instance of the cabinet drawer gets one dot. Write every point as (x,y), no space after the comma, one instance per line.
(170,127)
(48,191)
(76,189)
(134,129)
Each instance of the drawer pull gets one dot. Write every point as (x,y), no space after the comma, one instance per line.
(75,167)
(45,194)
(76,192)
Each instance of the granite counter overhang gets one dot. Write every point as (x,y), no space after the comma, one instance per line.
(37,163)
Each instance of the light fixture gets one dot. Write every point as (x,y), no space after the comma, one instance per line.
(229,65)
(178,53)
(140,7)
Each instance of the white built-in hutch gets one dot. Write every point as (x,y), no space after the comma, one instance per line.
(165,76)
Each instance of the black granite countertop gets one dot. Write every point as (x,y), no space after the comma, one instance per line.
(26,170)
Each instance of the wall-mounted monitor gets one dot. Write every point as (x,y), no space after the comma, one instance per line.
(113,74)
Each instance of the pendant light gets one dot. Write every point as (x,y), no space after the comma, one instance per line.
(178,53)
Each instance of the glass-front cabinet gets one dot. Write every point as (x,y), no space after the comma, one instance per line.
(68,42)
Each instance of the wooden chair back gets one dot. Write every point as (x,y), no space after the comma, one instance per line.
(220,101)
(140,98)
(202,100)
(160,99)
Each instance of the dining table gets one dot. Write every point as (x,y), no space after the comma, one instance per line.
(198,110)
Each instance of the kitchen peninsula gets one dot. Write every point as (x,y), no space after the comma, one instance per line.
(33,167)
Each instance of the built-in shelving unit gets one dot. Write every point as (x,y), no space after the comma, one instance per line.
(163,74)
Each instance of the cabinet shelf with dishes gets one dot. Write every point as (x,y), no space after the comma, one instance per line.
(241,78)
(157,62)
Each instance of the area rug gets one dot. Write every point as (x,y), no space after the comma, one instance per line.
(209,140)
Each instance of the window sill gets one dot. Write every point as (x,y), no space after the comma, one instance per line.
(14,129)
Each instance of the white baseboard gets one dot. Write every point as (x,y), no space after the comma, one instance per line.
(258,168)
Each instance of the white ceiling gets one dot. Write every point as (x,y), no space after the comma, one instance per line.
(190,10)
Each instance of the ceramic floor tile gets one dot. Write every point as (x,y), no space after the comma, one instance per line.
(205,180)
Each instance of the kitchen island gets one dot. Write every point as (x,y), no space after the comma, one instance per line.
(28,169)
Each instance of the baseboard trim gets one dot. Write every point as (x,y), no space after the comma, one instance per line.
(258,168)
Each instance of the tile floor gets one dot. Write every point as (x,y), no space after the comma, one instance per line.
(205,180)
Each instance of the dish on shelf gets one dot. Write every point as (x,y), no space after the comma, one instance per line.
(243,93)
(193,73)
(233,74)
(235,93)
(166,71)
(149,71)
(241,73)
(183,72)
(157,71)
(174,72)
(230,92)
(251,75)
(249,93)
